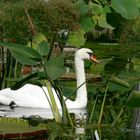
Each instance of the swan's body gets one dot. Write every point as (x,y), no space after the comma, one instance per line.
(33,96)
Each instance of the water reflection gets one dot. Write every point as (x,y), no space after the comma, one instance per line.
(80,117)
(46,113)
(18,112)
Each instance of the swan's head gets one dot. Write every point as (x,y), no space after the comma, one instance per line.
(86,54)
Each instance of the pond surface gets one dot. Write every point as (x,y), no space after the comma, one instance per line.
(19,112)
(116,60)
(31,120)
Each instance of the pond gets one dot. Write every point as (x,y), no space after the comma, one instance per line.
(108,113)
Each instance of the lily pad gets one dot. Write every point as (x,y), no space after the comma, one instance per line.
(18,128)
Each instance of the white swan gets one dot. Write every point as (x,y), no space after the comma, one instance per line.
(33,96)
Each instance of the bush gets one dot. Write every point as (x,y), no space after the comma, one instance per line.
(47,17)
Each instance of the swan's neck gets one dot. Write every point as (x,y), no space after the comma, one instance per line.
(81,97)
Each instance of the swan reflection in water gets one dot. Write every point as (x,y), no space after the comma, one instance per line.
(46,113)
(18,112)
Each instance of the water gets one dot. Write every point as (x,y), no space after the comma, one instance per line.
(80,131)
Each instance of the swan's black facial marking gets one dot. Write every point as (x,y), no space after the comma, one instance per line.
(90,53)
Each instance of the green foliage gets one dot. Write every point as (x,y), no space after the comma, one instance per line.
(119,82)
(77,38)
(36,39)
(102,22)
(82,8)
(47,17)
(25,61)
(52,103)
(134,99)
(138,3)
(99,15)
(53,16)
(55,67)
(78,18)
(85,19)
(43,48)
(52,69)
(127,8)
(19,125)
(13,22)
(23,54)
(87,24)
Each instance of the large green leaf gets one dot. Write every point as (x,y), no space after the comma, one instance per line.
(25,51)
(32,78)
(136,28)
(82,7)
(43,48)
(99,15)
(77,38)
(22,59)
(103,23)
(113,87)
(120,82)
(97,9)
(134,99)
(138,3)
(87,24)
(117,84)
(55,67)
(127,8)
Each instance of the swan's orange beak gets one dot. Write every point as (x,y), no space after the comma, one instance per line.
(93,58)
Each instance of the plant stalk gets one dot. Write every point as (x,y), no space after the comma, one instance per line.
(92,112)
(54,107)
(118,116)
(102,107)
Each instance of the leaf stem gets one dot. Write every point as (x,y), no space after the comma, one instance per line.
(102,107)
(92,112)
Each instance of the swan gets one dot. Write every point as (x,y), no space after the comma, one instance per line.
(33,96)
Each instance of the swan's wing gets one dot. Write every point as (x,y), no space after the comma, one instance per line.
(28,96)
